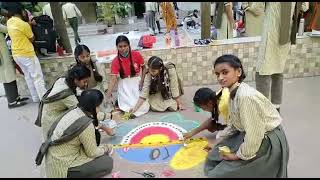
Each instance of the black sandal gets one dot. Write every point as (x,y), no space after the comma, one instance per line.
(16,104)
(19,99)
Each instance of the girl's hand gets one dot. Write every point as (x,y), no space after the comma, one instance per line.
(107,130)
(179,105)
(207,148)
(230,157)
(187,135)
(140,85)
(131,111)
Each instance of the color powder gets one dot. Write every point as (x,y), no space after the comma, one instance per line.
(190,156)
(155,138)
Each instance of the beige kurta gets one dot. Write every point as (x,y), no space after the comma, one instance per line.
(7,69)
(52,111)
(76,152)
(93,84)
(254,17)
(157,103)
(250,112)
(272,56)
(225,31)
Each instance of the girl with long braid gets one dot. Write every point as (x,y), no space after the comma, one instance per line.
(83,57)
(161,87)
(127,65)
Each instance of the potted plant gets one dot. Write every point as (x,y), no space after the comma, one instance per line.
(121,11)
(105,13)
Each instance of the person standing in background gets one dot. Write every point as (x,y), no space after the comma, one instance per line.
(71,13)
(224,21)
(7,71)
(151,8)
(23,51)
(158,18)
(176,9)
(312,16)
(46,10)
(170,20)
(274,48)
(254,15)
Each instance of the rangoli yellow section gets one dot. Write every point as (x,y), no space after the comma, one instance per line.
(190,156)
(155,138)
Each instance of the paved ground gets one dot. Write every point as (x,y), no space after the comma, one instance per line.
(108,41)
(21,138)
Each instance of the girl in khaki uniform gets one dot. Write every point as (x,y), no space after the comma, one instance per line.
(70,148)
(161,87)
(254,135)
(83,57)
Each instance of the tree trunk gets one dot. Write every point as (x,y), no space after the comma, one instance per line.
(60,25)
(205,20)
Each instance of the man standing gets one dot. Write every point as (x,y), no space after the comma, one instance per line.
(275,46)
(71,13)
(23,51)
(151,8)
(224,21)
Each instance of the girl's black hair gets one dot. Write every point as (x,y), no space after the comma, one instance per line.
(233,61)
(194,13)
(155,62)
(119,39)
(88,101)
(13,8)
(159,83)
(78,51)
(203,96)
(78,72)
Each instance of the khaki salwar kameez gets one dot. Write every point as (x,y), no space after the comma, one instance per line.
(156,101)
(255,135)
(52,111)
(65,159)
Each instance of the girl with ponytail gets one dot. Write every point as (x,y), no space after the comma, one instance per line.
(126,69)
(208,101)
(83,57)
(256,143)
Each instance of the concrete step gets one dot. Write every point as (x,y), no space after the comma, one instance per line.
(84,30)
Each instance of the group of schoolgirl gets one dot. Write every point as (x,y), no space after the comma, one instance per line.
(71,111)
